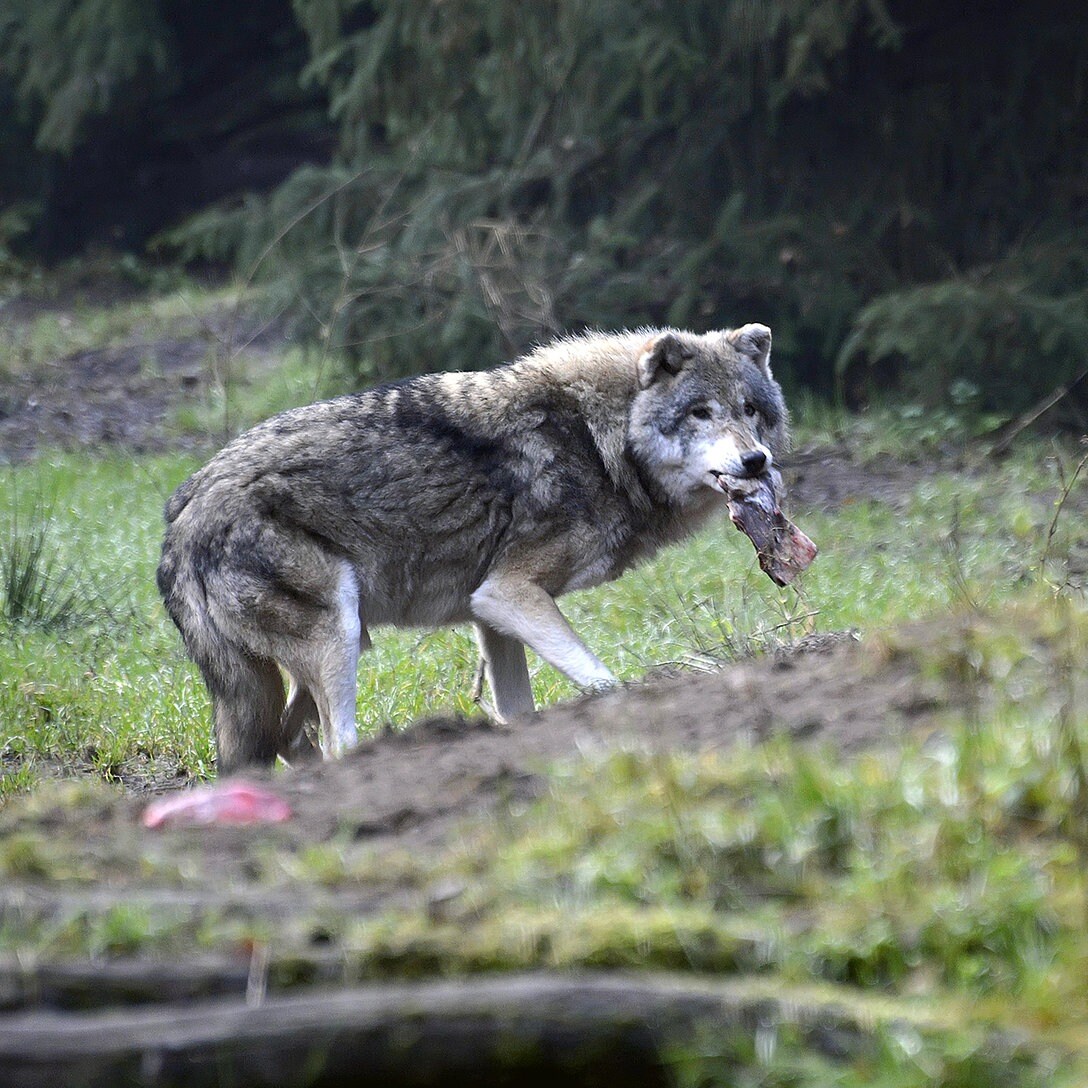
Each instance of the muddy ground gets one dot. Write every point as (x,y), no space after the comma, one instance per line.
(123,395)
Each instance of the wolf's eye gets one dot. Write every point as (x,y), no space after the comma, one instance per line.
(702,411)
(750,409)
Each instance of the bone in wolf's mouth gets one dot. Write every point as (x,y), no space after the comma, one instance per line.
(784,551)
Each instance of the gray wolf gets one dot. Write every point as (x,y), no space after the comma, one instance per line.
(446,498)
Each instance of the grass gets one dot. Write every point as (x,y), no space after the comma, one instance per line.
(110,691)
(250,395)
(34,590)
(948,876)
(124,692)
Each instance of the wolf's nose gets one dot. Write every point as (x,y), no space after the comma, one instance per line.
(754,462)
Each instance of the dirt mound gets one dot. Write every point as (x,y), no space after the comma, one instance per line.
(417,785)
(422,789)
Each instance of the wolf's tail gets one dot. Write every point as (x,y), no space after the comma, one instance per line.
(246,690)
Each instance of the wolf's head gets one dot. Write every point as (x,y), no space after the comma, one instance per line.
(707,410)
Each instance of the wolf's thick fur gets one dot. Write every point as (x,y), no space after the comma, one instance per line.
(447,498)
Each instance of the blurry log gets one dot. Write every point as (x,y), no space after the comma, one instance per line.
(521,1029)
(90,985)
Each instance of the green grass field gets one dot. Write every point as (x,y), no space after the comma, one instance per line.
(109,685)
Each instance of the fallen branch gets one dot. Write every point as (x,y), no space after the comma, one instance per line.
(1007,434)
(95,985)
(523,1029)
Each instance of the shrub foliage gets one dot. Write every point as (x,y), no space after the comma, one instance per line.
(871,177)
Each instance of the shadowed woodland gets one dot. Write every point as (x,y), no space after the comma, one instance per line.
(897,188)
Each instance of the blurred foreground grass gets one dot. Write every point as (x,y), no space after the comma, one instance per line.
(927,903)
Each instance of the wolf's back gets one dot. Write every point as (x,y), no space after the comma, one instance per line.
(179,500)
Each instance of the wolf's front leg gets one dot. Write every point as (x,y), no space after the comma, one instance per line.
(524,611)
(507,673)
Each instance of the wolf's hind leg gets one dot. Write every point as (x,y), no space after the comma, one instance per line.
(300,726)
(506,671)
(334,668)
(247,704)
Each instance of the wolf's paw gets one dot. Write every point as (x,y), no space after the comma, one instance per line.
(603,686)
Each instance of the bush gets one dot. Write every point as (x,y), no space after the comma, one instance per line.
(482,174)
(997,345)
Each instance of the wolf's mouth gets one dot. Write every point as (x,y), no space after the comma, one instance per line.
(729,484)
(718,481)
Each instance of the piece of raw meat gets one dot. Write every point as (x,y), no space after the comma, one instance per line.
(222,803)
(783,550)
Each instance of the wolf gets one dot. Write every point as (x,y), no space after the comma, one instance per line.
(478,496)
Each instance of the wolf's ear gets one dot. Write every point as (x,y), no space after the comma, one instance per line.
(661,354)
(753,342)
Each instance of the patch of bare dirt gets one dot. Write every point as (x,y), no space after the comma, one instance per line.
(98,398)
(416,785)
(123,396)
(827,477)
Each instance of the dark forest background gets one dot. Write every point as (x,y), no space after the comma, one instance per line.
(900,189)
